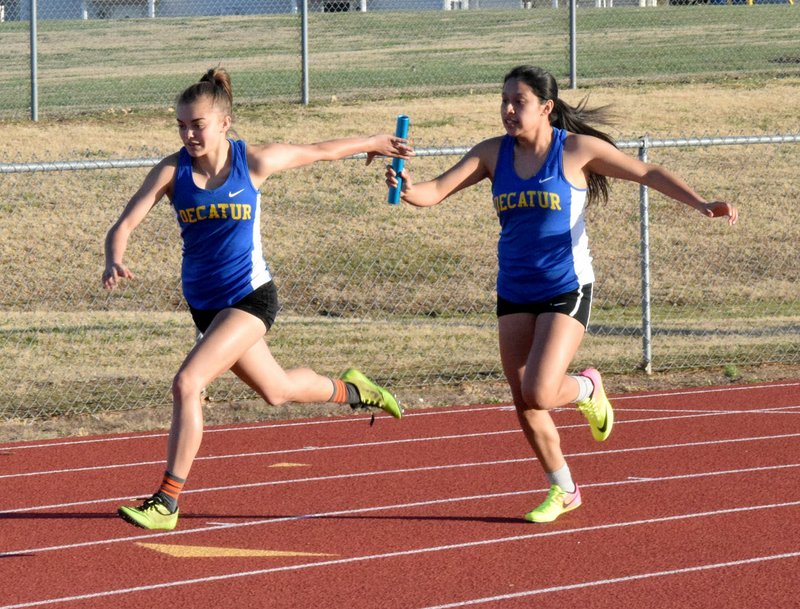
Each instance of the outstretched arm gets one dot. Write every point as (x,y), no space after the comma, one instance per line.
(157,183)
(602,158)
(264,160)
(471,169)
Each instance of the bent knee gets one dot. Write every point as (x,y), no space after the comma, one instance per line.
(185,385)
(540,397)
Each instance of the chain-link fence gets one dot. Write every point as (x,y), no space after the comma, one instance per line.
(90,54)
(408,296)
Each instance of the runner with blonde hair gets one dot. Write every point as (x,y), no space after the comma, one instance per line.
(213,184)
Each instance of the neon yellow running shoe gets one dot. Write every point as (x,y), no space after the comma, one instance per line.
(597,409)
(557,502)
(371,393)
(152,514)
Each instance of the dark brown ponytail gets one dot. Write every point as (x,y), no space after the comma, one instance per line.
(569,118)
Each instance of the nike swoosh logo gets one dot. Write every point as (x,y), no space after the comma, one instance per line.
(546,179)
(233,194)
(566,505)
(603,428)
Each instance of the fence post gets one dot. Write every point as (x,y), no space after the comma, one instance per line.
(573,49)
(644,245)
(34,64)
(304,51)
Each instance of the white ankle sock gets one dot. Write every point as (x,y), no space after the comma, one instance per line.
(585,387)
(563,478)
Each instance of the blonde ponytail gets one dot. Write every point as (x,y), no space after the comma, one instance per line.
(215,84)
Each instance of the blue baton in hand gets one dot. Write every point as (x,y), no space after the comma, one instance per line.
(397,164)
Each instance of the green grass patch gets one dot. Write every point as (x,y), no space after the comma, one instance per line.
(86,64)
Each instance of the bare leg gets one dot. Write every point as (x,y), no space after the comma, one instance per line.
(233,341)
(536,352)
(231,334)
(258,368)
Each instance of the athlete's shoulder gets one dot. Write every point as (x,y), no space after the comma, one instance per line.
(492,142)
(160,179)
(577,141)
(171,160)
(238,144)
(488,149)
(165,169)
(259,157)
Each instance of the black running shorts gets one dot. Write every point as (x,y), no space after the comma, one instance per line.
(261,302)
(576,304)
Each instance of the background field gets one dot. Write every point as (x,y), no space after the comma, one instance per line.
(379,55)
(406,294)
(429,273)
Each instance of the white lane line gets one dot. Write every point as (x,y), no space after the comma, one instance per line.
(283,451)
(361,419)
(593,453)
(705,391)
(413,552)
(766,410)
(617,580)
(483,497)
(307,449)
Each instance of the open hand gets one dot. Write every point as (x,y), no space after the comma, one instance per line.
(114,273)
(720,209)
(391,146)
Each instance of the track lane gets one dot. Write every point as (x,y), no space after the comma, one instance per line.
(666,446)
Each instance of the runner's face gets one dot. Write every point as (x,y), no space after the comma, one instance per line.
(520,109)
(201,126)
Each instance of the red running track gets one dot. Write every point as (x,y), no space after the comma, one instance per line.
(694,501)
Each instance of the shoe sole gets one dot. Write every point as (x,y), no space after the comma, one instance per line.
(571,507)
(131,520)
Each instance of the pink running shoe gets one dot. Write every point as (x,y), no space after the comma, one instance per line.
(596,408)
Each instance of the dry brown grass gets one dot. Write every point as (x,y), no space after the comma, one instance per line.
(702,109)
(486,392)
(52,250)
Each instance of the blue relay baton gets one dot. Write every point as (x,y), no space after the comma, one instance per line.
(397,164)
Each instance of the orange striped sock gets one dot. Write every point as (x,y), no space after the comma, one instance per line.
(171,487)
(339,395)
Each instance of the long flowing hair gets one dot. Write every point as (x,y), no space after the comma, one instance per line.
(570,118)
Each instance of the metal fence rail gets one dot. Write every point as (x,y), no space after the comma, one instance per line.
(412,302)
(408,296)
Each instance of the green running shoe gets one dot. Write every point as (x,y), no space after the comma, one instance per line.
(557,502)
(597,409)
(152,514)
(372,394)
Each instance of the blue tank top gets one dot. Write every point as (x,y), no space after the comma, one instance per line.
(221,230)
(543,250)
